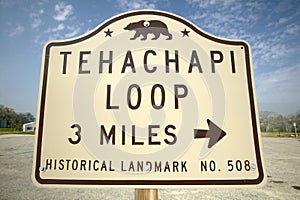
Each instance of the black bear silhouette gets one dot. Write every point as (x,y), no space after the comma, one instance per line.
(144,27)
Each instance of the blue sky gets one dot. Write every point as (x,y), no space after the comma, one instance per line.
(272,28)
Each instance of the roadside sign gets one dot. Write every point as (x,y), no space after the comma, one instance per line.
(147,98)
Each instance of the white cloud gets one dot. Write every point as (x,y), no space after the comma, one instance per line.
(36,18)
(36,23)
(268,50)
(65,24)
(255,5)
(280,21)
(18,30)
(293,29)
(199,16)
(136,4)
(59,27)
(201,3)
(225,18)
(62,11)
(72,31)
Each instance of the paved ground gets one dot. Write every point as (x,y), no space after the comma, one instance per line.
(282,160)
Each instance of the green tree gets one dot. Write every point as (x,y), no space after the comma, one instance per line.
(12,119)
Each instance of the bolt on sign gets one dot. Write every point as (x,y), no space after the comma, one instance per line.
(147,99)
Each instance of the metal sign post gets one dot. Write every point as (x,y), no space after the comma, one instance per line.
(146,194)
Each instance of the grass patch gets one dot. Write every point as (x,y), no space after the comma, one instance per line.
(7,129)
(7,132)
(278,134)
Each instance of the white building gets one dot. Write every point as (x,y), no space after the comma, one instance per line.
(29,127)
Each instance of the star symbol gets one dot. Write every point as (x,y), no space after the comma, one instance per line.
(108,33)
(185,33)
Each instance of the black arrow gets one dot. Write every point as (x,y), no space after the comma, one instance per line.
(215,134)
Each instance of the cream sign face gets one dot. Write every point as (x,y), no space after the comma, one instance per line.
(147,98)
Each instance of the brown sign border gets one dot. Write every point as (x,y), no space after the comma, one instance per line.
(37,172)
